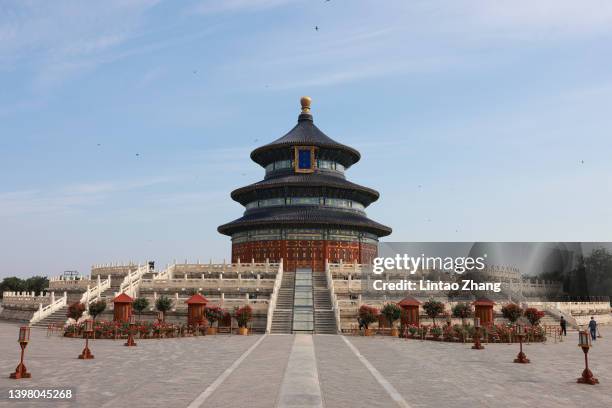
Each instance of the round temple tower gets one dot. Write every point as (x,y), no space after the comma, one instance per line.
(305,211)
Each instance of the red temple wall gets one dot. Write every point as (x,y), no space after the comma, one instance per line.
(304,253)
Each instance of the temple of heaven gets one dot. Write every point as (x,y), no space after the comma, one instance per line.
(304,211)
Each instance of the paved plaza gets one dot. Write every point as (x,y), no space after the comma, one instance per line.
(306,371)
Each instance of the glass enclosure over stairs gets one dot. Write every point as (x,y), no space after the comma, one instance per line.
(303,319)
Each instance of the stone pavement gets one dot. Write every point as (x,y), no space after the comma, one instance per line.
(266,371)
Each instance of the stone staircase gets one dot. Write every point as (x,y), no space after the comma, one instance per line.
(282,319)
(57,317)
(324,319)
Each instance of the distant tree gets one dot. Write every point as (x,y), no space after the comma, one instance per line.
(140,305)
(12,284)
(462,310)
(96,308)
(433,309)
(37,284)
(163,304)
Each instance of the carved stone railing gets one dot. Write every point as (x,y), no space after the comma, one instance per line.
(274,297)
(334,298)
(54,306)
(93,293)
(131,282)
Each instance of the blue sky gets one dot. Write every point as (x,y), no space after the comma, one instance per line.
(477,120)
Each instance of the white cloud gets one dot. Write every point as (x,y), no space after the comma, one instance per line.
(60,38)
(67,198)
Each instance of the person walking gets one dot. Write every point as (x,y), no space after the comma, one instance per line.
(593,328)
(563,324)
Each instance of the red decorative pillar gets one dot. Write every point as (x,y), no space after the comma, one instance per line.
(195,310)
(123,308)
(483,309)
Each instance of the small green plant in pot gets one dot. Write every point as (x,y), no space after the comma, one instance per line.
(391,311)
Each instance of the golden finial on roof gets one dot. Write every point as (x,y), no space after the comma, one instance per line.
(305,101)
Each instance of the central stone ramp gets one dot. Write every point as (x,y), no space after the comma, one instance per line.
(300,386)
(303,311)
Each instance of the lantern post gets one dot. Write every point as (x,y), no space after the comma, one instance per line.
(130,341)
(87,332)
(24,338)
(587,375)
(477,345)
(521,357)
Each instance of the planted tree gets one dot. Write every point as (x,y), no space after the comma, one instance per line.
(140,305)
(214,314)
(512,312)
(391,311)
(75,310)
(534,315)
(433,309)
(96,308)
(163,304)
(368,315)
(243,315)
(463,311)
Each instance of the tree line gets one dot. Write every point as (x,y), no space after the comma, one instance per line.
(37,284)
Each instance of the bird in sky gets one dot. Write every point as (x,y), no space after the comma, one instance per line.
(137,154)
(316,28)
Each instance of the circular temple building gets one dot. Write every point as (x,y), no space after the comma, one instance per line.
(305,211)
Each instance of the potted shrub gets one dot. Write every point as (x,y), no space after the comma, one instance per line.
(96,308)
(74,313)
(140,305)
(243,316)
(433,309)
(163,304)
(534,315)
(368,315)
(463,311)
(213,314)
(413,329)
(436,332)
(512,312)
(391,311)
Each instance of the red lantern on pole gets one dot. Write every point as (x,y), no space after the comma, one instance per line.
(87,332)
(23,340)
(587,375)
(130,342)
(521,357)
(477,345)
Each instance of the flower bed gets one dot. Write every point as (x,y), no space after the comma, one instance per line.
(144,330)
(500,333)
